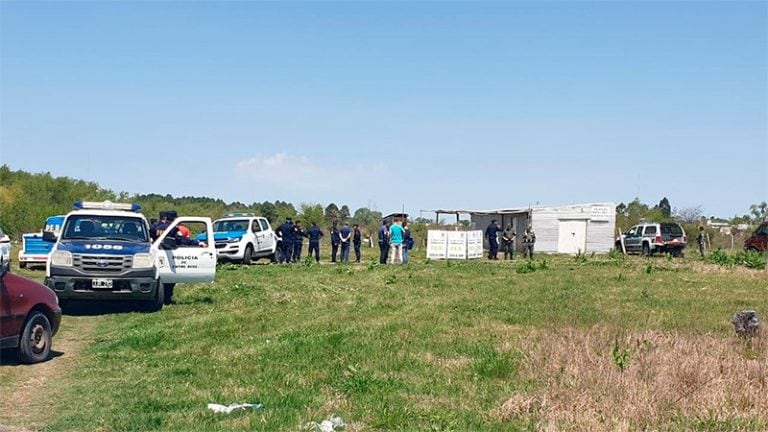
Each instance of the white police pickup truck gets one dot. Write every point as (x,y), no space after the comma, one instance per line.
(242,238)
(104,252)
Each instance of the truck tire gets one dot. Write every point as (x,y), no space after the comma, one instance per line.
(35,343)
(158,301)
(248,255)
(22,265)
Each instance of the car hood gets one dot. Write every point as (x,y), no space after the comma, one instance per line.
(105,247)
(221,235)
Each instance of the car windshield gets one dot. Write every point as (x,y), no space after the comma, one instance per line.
(673,229)
(230,225)
(127,228)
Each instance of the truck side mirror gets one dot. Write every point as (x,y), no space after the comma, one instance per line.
(49,236)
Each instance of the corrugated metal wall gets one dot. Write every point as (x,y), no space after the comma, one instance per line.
(600,225)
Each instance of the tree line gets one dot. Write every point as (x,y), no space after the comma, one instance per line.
(27,199)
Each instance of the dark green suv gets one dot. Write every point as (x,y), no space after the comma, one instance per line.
(652,237)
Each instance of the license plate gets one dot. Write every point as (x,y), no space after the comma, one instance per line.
(101,283)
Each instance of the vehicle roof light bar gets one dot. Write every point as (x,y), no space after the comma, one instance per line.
(106,205)
(239,214)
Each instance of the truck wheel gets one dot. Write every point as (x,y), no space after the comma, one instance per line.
(157,302)
(22,265)
(248,255)
(646,250)
(35,343)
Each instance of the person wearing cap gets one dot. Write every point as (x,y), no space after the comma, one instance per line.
(508,242)
(298,240)
(153,228)
(529,239)
(491,234)
(286,231)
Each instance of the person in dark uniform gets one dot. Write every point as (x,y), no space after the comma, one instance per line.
(700,238)
(345,236)
(286,232)
(314,234)
(153,228)
(335,241)
(298,240)
(508,242)
(407,242)
(383,242)
(529,239)
(357,241)
(493,241)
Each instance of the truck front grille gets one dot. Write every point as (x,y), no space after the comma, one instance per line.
(104,264)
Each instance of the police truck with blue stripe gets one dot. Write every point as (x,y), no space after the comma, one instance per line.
(104,252)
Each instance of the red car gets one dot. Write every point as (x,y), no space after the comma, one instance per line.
(29,317)
(759,240)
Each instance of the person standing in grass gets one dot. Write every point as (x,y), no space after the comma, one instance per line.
(298,241)
(345,237)
(383,242)
(700,239)
(357,241)
(508,242)
(407,242)
(286,233)
(529,239)
(491,234)
(315,234)
(335,240)
(396,243)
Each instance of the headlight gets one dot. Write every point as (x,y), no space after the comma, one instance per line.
(234,240)
(143,260)
(61,259)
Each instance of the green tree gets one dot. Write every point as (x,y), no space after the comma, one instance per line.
(759,211)
(310,213)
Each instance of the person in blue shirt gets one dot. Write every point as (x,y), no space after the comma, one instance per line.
(286,232)
(396,243)
(407,242)
(314,234)
(357,241)
(383,242)
(335,241)
(298,241)
(491,234)
(345,237)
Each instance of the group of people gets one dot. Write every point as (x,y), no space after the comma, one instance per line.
(290,237)
(180,232)
(508,241)
(395,242)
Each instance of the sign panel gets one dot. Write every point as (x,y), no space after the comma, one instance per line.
(457,245)
(437,244)
(474,244)
(601,213)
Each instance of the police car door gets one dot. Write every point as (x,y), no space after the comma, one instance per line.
(179,263)
(267,239)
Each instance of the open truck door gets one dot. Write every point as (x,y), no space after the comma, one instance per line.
(180,259)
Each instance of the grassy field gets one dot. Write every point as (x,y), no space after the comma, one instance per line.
(590,343)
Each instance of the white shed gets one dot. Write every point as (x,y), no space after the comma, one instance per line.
(569,229)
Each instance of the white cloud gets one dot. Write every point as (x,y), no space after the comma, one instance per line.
(299,173)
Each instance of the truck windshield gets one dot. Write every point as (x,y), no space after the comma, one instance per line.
(127,228)
(231,225)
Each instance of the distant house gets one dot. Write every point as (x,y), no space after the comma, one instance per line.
(569,229)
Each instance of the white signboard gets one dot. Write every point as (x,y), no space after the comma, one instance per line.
(601,213)
(474,244)
(457,245)
(437,244)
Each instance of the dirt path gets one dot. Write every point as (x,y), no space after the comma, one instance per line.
(25,404)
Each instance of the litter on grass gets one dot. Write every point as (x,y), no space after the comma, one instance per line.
(226,409)
(333,424)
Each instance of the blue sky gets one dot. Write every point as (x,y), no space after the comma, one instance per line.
(419,105)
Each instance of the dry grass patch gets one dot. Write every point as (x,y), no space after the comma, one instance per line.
(452,364)
(600,380)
